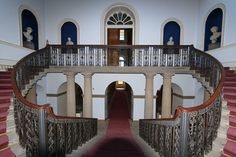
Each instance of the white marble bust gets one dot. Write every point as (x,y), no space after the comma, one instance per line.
(69,42)
(170,41)
(27,34)
(215,34)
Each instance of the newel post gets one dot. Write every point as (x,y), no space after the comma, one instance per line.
(184,127)
(42,123)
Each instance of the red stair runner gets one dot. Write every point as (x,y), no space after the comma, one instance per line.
(5,96)
(118,141)
(230,95)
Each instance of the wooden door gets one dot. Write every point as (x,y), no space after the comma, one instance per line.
(114,38)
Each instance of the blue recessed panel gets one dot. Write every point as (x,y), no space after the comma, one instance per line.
(214,19)
(171,29)
(68,29)
(29,20)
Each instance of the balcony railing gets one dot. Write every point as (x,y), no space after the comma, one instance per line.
(190,132)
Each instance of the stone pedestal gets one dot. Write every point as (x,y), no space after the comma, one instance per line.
(29,44)
(213,46)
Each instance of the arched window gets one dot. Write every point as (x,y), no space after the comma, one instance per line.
(29,30)
(120,18)
(213,28)
(171,33)
(68,30)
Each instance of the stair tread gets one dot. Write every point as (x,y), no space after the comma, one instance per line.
(231,133)
(232,121)
(232,101)
(232,109)
(229,148)
(7,153)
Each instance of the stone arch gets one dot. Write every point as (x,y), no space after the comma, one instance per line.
(62,99)
(109,93)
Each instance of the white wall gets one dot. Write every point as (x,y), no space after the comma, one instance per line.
(150,17)
(10,19)
(205,7)
(10,54)
(226,55)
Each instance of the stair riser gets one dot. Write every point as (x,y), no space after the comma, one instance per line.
(228,90)
(229,84)
(5,81)
(5,101)
(230,75)
(5,87)
(5,76)
(228,97)
(6,94)
(230,79)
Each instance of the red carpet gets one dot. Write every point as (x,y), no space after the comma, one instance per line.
(118,141)
(5,96)
(230,95)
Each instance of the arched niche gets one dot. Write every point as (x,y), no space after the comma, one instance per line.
(28,19)
(171,29)
(215,18)
(68,30)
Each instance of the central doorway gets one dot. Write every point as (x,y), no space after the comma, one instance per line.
(110,91)
(119,36)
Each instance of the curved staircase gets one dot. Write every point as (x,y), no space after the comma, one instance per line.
(230,96)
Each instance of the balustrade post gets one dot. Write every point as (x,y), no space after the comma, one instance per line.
(184,127)
(42,126)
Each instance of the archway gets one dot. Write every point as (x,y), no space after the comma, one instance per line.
(176,98)
(62,99)
(110,90)
(41,95)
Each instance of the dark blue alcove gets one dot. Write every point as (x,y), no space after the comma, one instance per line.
(68,29)
(214,19)
(29,20)
(171,29)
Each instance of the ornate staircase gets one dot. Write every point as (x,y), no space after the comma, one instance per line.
(230,96)
(188,60)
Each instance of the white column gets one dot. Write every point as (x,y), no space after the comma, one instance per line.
(148,109)
(166,96)
(87,105)
(71,103)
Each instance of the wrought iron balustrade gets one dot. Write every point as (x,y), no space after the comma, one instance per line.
(41,131)
(192,130)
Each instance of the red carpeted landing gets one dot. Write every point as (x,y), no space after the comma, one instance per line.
(118,141)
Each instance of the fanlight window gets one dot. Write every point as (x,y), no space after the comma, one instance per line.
(120,19)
